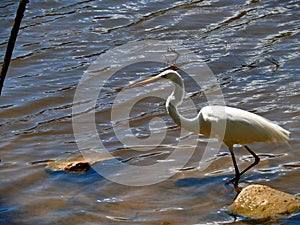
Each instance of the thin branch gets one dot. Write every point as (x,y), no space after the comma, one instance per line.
(12,40)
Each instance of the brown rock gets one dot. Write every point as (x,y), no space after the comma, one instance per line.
(78,164)
(262,202)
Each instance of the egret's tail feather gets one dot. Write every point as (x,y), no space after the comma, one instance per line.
(279,134)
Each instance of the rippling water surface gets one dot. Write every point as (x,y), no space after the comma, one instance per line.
(252,48)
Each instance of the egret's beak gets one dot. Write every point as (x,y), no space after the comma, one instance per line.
(147,81)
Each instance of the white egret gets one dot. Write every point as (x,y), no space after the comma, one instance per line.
(242,127)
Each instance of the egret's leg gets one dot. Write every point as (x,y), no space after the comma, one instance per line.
(237,173)
(256,159)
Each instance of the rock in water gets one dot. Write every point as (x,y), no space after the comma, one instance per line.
(263,202)
(78,164)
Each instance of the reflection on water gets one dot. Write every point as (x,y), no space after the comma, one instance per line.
(251,47)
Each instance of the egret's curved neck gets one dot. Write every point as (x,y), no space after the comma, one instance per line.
(174,100)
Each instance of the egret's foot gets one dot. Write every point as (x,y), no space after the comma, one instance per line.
(237,189)
(236,186)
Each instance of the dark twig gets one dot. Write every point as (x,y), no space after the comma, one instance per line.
(12,40)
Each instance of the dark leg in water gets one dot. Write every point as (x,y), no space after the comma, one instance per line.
(237,173)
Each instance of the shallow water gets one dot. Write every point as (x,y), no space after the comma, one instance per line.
(251,48)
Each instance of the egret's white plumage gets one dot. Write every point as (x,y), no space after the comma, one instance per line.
(242,127)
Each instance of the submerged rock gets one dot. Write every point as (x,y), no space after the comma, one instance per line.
(78,164)
(75,165)
(262,202)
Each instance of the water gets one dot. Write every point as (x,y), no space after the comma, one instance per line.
(252,48)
